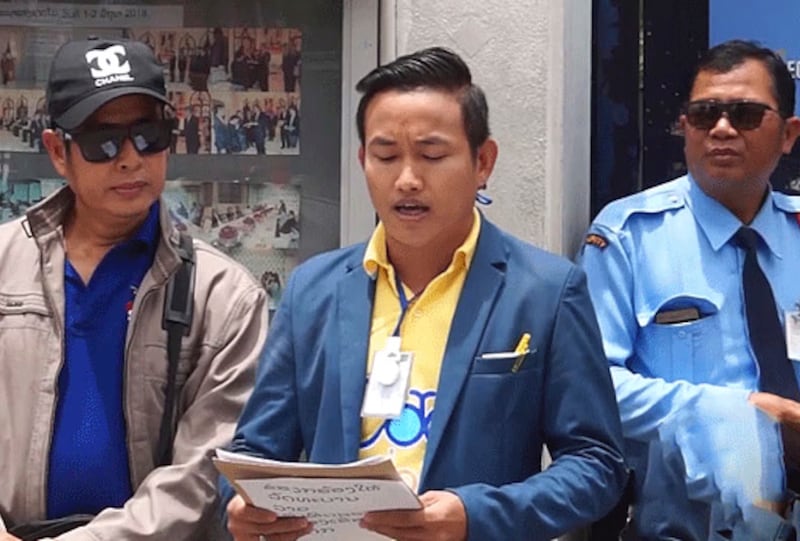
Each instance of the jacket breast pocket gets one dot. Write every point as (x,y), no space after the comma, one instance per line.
(27,336)
(688,350)
(26,323)
(24,311)
(505,407)
(503,363)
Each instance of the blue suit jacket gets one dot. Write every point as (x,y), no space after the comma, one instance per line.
(489,423)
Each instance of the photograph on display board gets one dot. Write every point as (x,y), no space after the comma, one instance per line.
(228,59)
(266,59)
(11,40)
(236,76)
(244,102)
(235,216)
(290,40)
(255,223)
(193,58)
(250,65)
(18,195)
(193,132)
(166,53)
(220,103)
(24,118)
(256,123)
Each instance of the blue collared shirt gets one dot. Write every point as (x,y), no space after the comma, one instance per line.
(89,467)
(683,387)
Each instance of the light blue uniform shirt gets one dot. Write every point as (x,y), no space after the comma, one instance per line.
(682,388)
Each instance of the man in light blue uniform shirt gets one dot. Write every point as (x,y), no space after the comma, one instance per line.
(665,275)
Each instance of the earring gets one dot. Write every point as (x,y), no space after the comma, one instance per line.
(481,198)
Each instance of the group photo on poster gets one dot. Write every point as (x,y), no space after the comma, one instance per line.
(224,59)
(256,123)
(235,90)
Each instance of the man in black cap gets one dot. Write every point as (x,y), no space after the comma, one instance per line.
(89,280)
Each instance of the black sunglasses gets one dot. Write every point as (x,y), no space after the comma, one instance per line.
(104,144)
(742,115)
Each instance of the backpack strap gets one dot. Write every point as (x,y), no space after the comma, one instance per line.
(177,320)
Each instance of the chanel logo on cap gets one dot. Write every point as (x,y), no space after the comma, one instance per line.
(109,65)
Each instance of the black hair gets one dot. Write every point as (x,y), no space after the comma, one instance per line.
(731,54)
(436,68)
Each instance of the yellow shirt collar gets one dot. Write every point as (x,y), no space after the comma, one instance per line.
(376,257)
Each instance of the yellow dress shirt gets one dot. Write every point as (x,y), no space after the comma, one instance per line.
(424,332)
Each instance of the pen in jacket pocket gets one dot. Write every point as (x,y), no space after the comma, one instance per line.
(521,350)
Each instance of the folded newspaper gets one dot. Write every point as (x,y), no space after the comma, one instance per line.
(332,497)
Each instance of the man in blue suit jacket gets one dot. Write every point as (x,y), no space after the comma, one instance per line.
(426,152)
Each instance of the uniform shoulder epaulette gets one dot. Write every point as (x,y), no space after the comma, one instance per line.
(787,203)
(661,198)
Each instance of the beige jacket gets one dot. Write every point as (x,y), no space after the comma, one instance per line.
(215,377)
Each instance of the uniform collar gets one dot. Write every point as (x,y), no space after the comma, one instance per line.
(767,223)
(719,224)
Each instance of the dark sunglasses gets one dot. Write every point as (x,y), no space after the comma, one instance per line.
(742,115)
(104,144)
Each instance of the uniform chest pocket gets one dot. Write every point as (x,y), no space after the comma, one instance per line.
(682,350)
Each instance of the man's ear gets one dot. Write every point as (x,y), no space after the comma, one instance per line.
(361,156)
(57,150)
(484,162)
(791,130)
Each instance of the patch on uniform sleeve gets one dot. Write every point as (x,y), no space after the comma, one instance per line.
(596,240)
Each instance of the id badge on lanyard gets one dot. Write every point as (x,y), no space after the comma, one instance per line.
(388,382)
(390,376)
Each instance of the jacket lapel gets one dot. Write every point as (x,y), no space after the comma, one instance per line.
(483,283)
(354,297)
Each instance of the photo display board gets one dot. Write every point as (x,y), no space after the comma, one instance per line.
(248,159)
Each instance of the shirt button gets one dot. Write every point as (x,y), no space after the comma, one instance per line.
(681,334)
(673,199)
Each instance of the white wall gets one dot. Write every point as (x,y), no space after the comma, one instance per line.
(533,59)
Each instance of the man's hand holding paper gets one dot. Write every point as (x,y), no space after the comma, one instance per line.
(284,501)
(246,522)
(443,517)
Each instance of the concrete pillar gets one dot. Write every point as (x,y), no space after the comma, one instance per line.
(533,59)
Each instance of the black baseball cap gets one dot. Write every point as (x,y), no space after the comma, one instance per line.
(87,74)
